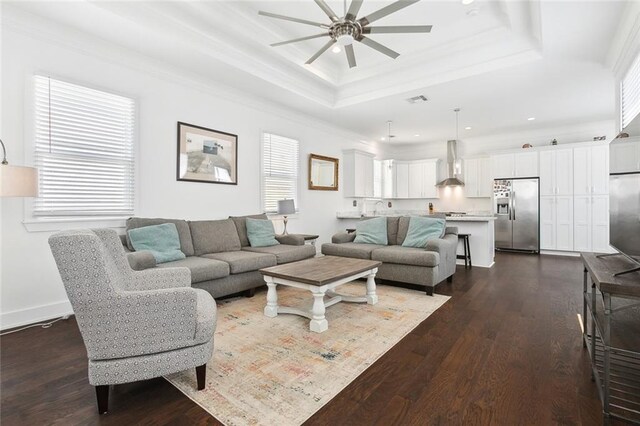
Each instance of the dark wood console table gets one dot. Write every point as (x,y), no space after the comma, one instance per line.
(611,333)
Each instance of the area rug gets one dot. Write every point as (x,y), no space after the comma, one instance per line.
(274,371)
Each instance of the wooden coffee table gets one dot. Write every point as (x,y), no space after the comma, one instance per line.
(319,275)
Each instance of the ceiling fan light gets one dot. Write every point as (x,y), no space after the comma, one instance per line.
(345,40)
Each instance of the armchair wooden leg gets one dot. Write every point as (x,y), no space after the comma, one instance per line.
(102,394)
(450,279)
(201,375)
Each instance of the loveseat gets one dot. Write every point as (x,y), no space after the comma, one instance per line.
(218,253)
(427,266)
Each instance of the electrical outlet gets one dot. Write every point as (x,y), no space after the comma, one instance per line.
(355,203)
(389,204)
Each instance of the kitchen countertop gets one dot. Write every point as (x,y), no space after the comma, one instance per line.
(471,217)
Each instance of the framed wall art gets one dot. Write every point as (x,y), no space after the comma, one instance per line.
(207,155)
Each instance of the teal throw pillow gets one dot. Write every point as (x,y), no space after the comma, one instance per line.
(372,231)
(260,233)
(422,230)
(161,240)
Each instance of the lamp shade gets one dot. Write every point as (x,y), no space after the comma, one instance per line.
(18,181)
(286,207)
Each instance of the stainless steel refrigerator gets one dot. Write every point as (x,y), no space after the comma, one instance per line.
(517,209)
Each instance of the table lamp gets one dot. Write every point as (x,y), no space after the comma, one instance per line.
(286,207)
(17,181)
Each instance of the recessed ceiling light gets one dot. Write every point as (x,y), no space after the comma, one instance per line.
(382,138)
(467,128)
(531,118)
(416,135)
(467,2)
(336,49)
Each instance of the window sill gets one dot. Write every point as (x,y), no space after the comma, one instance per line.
(50,224)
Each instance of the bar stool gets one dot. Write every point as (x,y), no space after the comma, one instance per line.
(467,249)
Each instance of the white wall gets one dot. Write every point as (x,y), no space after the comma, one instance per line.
(31,289)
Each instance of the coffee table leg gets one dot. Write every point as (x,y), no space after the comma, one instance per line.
(372,297)
(319,322)
(271,310)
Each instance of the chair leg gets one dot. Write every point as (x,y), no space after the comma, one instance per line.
(250,293)
(429,290)
(102,394)
(469,249)
(201,376)
(450,279)
(466,253)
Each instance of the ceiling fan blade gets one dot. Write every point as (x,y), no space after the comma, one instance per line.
(289,18)
(326,9)
(321,51)
(354,8)
(387,10)
(398,29)
(299,39)
(351,57)
(380,48)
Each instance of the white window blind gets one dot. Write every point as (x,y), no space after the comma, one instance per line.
(84,149)
(630,93)
(280,170)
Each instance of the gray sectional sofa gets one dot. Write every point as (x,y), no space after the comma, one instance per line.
(218,252)
(427,267)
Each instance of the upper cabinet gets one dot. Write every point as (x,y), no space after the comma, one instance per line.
(521,164)
(358,174)
(625,156)
(477,179)
(591,170)
(423,177)
(556,172)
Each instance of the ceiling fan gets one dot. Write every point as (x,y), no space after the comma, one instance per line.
(347,29)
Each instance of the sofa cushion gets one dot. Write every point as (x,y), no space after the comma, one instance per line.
(286,253)
(422,230)
(372,231)
(261,233)
(186,244)
(355,250)
(214,236)
(392,230)
(403,227)
(201,269)
(406,256)
(244,261)
(161,240)
(241,226)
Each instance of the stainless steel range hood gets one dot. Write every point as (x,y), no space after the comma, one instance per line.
(452,158)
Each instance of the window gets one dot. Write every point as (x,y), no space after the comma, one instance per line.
(84,149)
(279,171)
(630,93)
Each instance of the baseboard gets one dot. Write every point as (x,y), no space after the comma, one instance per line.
(560,253)
(461,262)
(36,314)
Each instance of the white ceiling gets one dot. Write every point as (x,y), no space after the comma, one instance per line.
(509,61)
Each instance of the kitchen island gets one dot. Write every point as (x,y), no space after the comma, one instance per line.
(479,226)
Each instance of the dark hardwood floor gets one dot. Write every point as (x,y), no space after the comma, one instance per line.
(506,349)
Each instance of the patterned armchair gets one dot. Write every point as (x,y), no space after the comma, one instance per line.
(136,325)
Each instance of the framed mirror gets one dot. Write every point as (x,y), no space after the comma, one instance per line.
(323,173)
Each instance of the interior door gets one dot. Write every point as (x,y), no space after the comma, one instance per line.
(525,214)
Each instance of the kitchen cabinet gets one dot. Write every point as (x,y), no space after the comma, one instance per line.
(591,223)
(625,156)
(521,164)
(388,179)
(556,223)
(556,172)
(358,174)
(591,170)
(401,179)
(423,179)
(477,178)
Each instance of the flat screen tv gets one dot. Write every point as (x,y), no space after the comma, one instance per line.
(624,196)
